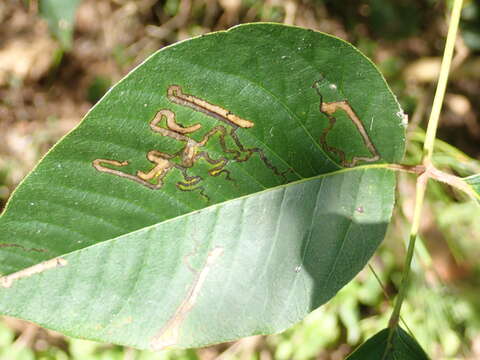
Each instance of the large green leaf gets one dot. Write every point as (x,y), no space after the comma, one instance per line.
(60,15)
(402,347)
(209,195)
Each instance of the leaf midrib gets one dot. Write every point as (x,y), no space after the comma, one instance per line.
(385,166)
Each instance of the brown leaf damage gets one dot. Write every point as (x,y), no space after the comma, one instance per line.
(169,334)
(18,246)
(7,281)
(329,109)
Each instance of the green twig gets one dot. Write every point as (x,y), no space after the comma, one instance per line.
(427,158)
(442,80)
(385,293)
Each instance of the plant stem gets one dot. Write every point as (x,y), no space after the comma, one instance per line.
(442,80)
(419,196)
(427,158)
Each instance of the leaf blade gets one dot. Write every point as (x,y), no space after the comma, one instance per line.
(174,140)
(117,128)
(101,277)
(403,347)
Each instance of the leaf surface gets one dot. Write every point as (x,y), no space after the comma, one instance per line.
(214,193)
(403,347)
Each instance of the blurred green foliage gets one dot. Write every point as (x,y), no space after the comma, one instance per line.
(388,19)
(471,25)
(97,88)
(60,15)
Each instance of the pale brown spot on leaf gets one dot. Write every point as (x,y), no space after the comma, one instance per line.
(7,281)
(169,334)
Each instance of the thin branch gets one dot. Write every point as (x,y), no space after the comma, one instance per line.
(427,158)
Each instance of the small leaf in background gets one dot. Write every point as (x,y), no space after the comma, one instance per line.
(402,347)
(474,182)
(470,25)
(98,87)
(60,15)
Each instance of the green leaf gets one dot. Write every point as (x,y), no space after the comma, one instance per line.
(60,15)
(210,195)
(474,183)
(402,347)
